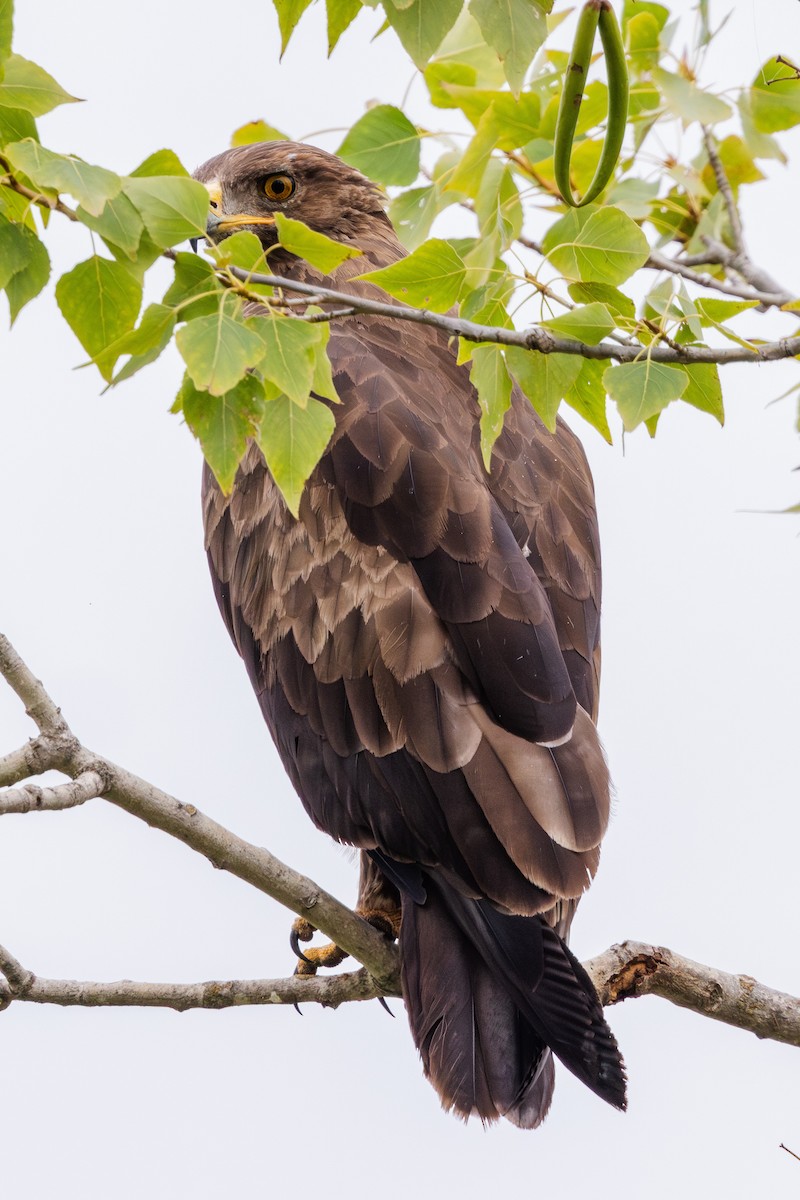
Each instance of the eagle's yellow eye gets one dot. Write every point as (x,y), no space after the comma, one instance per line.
(279,187)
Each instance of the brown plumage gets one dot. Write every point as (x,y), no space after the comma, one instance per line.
(424,645)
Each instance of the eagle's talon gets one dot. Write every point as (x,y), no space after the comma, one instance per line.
(302,931)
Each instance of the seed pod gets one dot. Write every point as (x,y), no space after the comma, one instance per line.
(596,14)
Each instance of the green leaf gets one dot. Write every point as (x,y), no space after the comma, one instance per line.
(322,385)
(643,389)
(465,44)
(422,26)
(173,209)
(466,178)
(633,8)
(26,85)
(498,206)
(384,145)
(491,380)
(195,289)
(588,323)
(614,300)
(517,120)
(91,186)
(340,14)
(161,162)
(17,208)
(688,101)
(242,249)
(737,159)
(432,277)
(714,310)
(288,351)
(413,212)
(145,343)
(587,397)
(775,98)
(258,131)
(595,244)
(16,124)
(439,74)
(6,28)
(642,39)
(289,13)
(315,248)
(704,390)
(293,440)
(119,223)
(760,145)
(218,350)
(15,250)
(515,29)
(634,197)
(544,378)
(100,301)
(28,282)
(222,424)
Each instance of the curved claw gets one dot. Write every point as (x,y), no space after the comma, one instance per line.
(294,942)
(383,1004)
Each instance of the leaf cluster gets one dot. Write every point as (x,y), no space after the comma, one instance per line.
(256,366)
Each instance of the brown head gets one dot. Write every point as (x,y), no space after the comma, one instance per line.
(249,184)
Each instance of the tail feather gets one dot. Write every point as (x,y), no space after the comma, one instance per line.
(489,995)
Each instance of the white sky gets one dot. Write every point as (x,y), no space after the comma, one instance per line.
(106,594)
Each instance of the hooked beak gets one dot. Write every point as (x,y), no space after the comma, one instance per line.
(216,225)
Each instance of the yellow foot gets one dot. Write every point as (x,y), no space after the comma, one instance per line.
(330,955)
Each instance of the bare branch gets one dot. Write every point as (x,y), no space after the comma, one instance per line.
(19,980)
(725,189)
(740,262)
(636,969)
(33,798)
(533,338)
(219,845)
(329,991)
(623,972)
(769,299)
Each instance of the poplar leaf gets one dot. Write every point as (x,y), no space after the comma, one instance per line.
(432,277)
(91,186)
(293,440)
(316,248)
(27,85)
(222,424)
(643,389)
(100,301)
(384,145)
(218,350)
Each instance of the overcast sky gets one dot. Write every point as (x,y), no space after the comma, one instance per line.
(105,593)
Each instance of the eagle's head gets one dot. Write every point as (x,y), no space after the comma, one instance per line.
(249,184)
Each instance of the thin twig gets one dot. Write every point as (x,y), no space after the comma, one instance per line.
(660,262)
(33,798)
(533,338)
(725,189)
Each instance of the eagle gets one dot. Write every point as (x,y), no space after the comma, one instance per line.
(423,641)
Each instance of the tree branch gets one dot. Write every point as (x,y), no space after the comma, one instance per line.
(623,972)
(330,991)
(533,338)
(219,845)
(636,969)
(627,970)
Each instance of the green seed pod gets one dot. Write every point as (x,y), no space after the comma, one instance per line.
(597,13)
